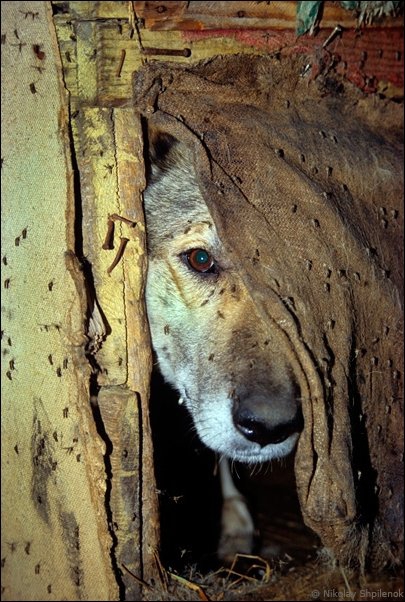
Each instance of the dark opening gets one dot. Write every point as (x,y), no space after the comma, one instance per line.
(189,493)
(190,496)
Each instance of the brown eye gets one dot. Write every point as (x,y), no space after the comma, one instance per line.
(200,260)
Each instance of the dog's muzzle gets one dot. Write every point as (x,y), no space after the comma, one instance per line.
(257,420)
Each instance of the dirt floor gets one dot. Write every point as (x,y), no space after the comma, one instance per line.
(289,563)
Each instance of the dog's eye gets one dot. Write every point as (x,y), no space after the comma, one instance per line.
(200,261)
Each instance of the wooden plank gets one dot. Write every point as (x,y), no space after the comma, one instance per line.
(131,181)
(199,16)
(120,413)
(96,160)
(100,55)
(55,544)
(67,49)
(89,11)
(86,61)
(372,59)
(109,154)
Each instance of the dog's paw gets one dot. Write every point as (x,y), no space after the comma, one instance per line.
(237,529)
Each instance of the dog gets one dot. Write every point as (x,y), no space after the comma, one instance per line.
(210,342)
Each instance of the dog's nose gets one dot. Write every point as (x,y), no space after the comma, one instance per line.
(258,424)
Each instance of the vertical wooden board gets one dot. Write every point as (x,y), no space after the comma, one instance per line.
(124,409)
(119,55)
(108,150)
(86,54)
(95,154)
(120,412)
(131,182)
(55,544)
(373,60)
(67,50)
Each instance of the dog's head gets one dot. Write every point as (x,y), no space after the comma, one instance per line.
(211,344)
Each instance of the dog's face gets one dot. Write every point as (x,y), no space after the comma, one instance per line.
(210,342)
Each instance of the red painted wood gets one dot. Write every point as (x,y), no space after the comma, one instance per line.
(368,57)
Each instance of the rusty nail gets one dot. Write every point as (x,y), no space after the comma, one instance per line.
(186,52)
(336,32)
(119,218)
(121,63)
(120,253)
(108,243)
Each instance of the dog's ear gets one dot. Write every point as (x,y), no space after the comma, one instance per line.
(161,148)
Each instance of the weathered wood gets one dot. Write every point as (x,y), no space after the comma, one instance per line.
(131,182)
(181,15)
(109,155)
(109,152)
(199,16)
(55,544)
(96,160)
(110,50)
(121,416)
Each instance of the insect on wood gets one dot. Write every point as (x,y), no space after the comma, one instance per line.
(29,13)
(40,54)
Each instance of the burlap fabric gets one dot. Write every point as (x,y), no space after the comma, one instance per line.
(304,182)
